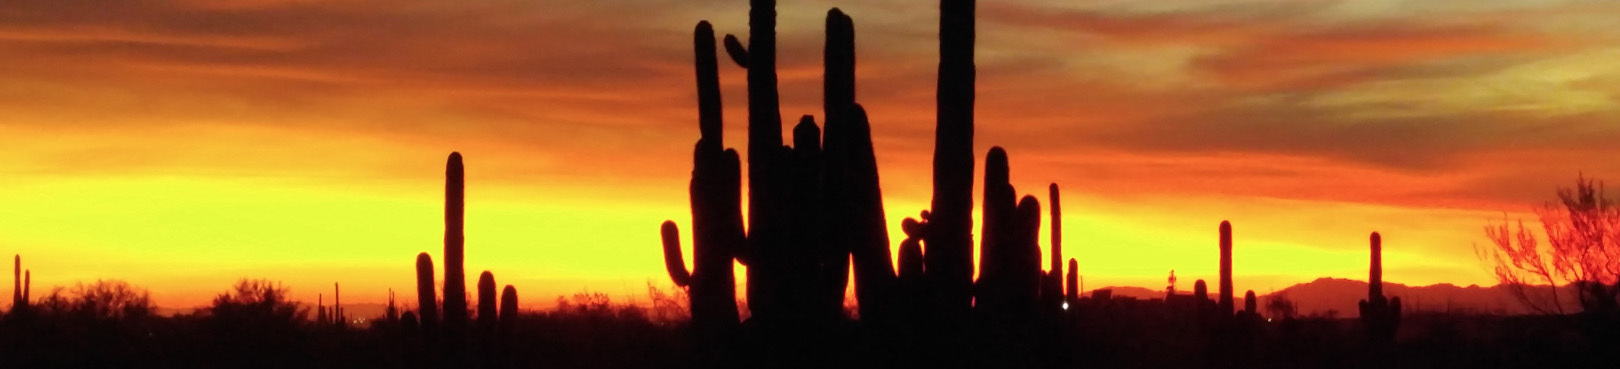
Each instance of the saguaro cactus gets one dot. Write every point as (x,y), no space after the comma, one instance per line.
(1074,280)
(487,314)
(1249,303)
(1225,304)
(508,324)
(950,242)
(509,308)
(1381,316)
(799,195)
(1201,292)
(716,205)
(854,217)
(1057,229)
(337,305)
(16,281)
(1052,283)
(1009,262)
(455,284)
(426,301)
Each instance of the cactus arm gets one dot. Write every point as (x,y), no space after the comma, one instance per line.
(738,53)
(673,261)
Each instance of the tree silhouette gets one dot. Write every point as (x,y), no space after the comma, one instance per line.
(1583,249)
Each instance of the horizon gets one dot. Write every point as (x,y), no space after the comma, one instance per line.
(180,145)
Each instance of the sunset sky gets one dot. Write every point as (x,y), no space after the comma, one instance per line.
(182,144)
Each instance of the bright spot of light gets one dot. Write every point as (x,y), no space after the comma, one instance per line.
(1065,305)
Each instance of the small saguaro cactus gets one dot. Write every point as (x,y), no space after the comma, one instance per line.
(509,308)
(1225,305)
(1201,292)
(1381,316)
(486,303)
(1073,282)
(391,314)
(426,301)
(1249,303)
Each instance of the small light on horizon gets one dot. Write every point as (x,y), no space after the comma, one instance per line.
(1065,305)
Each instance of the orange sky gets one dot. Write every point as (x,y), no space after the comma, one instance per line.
(182,144)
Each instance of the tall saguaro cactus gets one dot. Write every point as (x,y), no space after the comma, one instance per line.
(455,283)
(1225,305)
(1381,316)
(855,216)
(426,301)
(949,260)
(715,193)
(337,305)
(1052,283)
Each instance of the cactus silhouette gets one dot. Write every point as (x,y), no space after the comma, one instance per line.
(507,325)
(715,193)
(455,284)
(16,282)
(320,308)
(855,217)
(949,260)
(337,305)
(811,205)
(1380,315)
(426,301)
(1250,303)
(1073,282)
(1201,292)
(816,205)
(1009,261)
(1225,304)
(487,314)
(391,314)
(1052,282)
(509,309)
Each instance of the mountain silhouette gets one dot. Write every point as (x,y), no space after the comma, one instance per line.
(1340,295)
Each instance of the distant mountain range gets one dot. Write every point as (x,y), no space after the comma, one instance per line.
(1340,296)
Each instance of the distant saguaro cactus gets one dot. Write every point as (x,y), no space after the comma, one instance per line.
(1073,282)
(16,280)
(1052,282)
(1381,316)
(1226,306)
(455,283)
(1250,303)
(487,313)
(1201,292)
(391,314)
(426,301)
(337,306)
